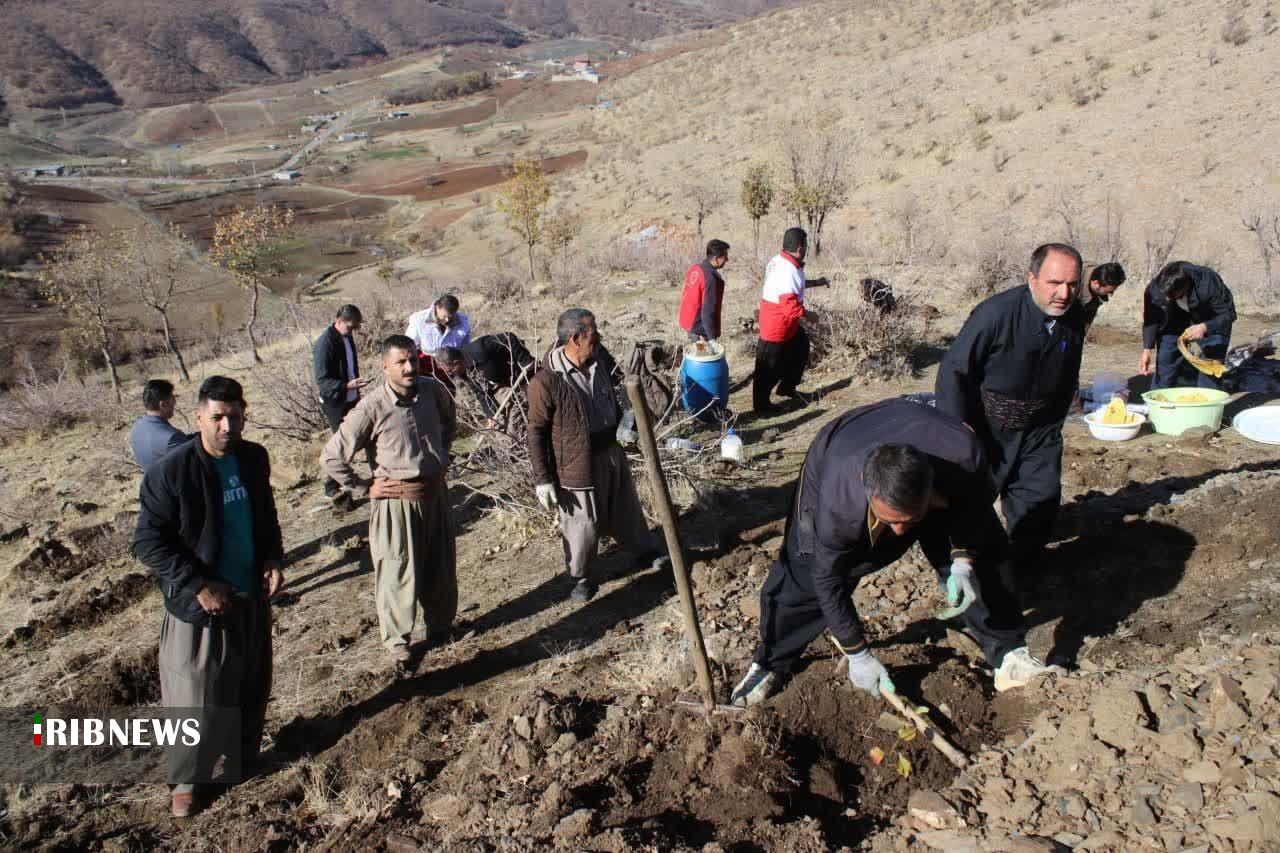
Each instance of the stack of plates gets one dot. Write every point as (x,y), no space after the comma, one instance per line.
(1259,424)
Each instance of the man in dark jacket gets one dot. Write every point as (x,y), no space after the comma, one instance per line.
(337,374)
(702,302)
(578,466)
(874,482)
(1011,374)
(1184,300)
(488,366)
(1101,284)
(207,528)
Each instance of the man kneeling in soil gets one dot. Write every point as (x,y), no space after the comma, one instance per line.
(410,423)
(875,481)
(207,528)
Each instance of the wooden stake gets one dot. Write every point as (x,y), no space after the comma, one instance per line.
(667,516)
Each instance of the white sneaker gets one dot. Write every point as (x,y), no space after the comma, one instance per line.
(1018,668)
(758,685)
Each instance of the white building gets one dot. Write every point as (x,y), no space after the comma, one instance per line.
(287,175)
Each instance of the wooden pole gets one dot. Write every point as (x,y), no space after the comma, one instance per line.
(667,516)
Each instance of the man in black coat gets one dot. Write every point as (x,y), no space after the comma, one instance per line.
(208,530)
(1191,300)
(1010,375)
(876,481)
(337,373)
(487,366)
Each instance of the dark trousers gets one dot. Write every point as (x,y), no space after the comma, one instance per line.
(1027,466)
(791,617)
(1174,371)
(779,365)
(334,413)
(213,670)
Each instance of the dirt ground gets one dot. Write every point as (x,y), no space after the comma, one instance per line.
(429,185)
(540,723)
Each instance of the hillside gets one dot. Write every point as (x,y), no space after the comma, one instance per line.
(65,53)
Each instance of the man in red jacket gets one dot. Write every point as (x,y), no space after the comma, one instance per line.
(783,350)
(703,297)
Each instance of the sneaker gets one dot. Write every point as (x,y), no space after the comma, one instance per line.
(583,591)
(1018,669)
(758,685)
(182,805)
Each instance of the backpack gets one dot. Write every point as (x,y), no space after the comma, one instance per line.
(649,362)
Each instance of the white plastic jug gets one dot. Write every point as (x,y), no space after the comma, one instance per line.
(731,447)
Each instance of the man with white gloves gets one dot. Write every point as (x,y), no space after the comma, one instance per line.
(875,481)
(578,466)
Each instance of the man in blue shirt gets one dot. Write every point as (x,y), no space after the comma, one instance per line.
(152,435)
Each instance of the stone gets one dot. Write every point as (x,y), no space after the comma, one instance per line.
(446,808)
(750,606)
(1230,709)
(887,722)
(1189,795)
(565,743)
(1142,813)
(522,755)
(1068,839)
(1030,844)
(1245,829)
(1181,745)
(949,840)
(1105,839)
(1261,687)
(1170,714)
(772,546)
(398,842)
(1204,772)
(414,769)
(932,811)
(576,825)
(523,726)
(1116,714)
(1071,805)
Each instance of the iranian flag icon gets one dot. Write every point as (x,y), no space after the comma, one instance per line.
(36,737)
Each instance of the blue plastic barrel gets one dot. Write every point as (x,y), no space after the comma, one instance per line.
(704,379)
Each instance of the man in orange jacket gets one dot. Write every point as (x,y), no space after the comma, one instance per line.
(703,298)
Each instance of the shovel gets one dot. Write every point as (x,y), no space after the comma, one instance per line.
(927,730)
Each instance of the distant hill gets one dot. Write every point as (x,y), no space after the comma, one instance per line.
(65,53)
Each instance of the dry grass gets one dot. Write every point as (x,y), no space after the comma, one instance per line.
(37,407)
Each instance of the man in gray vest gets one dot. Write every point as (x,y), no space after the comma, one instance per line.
(152,435)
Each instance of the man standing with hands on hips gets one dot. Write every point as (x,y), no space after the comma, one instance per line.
(410,422)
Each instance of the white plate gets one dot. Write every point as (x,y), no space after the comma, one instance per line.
(1259,424)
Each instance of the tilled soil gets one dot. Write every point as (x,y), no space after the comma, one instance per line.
(544,724)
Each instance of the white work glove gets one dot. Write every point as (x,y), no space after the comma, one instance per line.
(868,674)
(962,589)
(546,493)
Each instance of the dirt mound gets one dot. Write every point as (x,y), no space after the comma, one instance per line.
(119,680)
(1180,756)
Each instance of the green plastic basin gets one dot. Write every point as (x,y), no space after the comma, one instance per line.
(1172,416)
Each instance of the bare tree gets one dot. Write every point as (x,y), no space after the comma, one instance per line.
(701,200)
(82,277)
(1111,245)
(816,164)
(1160,244)
(156,272)
(1264,225)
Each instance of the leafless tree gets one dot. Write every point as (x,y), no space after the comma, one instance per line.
(817,166)
(1264,225)
(156,270)
(701,200)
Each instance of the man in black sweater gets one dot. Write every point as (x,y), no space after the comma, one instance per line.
(337,373)
(875,481)
(1010,375)
(487,366)
(1184,299)
(208,530)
